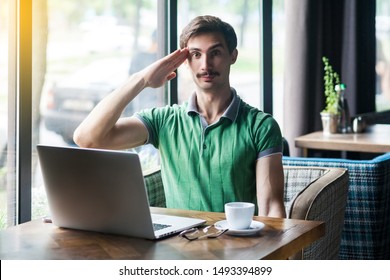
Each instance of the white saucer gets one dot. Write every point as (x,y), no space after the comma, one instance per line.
(255,227)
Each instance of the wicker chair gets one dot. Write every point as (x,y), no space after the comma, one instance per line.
(310,194)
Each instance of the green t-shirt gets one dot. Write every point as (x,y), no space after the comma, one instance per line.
(203,167)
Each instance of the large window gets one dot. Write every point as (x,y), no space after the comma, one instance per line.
(82,50)
(9,172)
(383,55)
(6,188)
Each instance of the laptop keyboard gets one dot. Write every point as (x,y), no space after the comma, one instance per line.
(159,226)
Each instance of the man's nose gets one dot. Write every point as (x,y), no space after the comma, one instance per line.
(206,62)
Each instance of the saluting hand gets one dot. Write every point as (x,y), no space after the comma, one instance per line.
(161,71)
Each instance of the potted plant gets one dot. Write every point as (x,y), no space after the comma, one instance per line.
(330,116)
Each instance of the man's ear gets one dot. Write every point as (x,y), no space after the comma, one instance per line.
(234,56)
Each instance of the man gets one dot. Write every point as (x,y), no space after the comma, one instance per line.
(215,148)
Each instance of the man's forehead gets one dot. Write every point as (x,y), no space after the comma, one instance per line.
(205,41)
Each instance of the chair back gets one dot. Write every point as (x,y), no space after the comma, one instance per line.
(318,194)
(155,188)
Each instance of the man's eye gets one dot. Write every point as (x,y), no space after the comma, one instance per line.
(195,55)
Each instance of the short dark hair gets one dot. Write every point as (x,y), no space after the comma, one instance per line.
(209,24)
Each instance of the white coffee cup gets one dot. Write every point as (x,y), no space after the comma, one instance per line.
(239,214)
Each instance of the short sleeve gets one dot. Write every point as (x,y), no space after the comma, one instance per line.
(151,119)
(155,120)
(268,137)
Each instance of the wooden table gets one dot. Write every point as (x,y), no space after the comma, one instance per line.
(375,140)
(279,239)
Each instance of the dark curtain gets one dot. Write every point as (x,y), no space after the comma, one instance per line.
(342,30)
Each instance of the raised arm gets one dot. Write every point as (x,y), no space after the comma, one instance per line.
(103,127)
(270,186)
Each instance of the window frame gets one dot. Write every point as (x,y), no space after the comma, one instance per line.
(19,140)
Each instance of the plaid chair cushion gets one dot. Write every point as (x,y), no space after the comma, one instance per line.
(366,232)
(155,188)
(296,181)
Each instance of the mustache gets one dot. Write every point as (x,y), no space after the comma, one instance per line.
(207,73)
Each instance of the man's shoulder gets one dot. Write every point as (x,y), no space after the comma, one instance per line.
(256,120)
(248,111)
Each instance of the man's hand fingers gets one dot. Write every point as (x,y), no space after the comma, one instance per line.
(163,70)
(171,76)
(176,58)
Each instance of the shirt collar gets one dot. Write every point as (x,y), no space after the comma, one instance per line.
(230,113)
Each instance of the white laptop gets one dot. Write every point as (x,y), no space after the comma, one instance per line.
(103,191)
